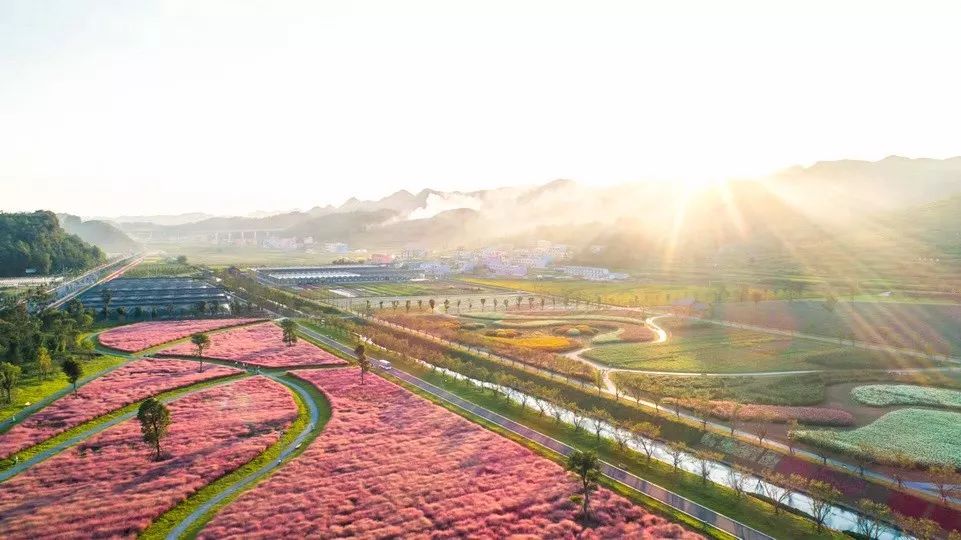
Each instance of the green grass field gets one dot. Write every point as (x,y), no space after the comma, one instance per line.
(933,328)
(31,389)
(887,395)
(928,437)
(707,348)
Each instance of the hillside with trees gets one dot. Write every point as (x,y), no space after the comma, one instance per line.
(36,241)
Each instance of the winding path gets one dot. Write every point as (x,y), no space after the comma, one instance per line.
(310,432)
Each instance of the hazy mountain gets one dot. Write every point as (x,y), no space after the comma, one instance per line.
(99,233)
(793,209)
(174,219)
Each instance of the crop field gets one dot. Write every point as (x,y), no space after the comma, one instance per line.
(161,269)
(259,345)
(390,464)
(886,395)
(125,385)
(615,293)
(726,410)
(806,389)
(700,347)
(466,333)
(925,327)
(542,343)
(927,436)
(110,485)
(143,335)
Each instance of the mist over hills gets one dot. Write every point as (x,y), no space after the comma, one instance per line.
(102,234)
(844,200)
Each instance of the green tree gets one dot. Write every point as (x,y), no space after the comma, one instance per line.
(9,377)
(73,370)
(44,363)
(106,295)
(290,331)
(823,497)
(154,420)
(361,353)
(201,341)
(587,467)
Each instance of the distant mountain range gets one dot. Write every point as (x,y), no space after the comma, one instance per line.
(796,207)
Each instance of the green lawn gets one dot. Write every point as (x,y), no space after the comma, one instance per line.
(708,348)
(929,437)
(32,389)
(925,327)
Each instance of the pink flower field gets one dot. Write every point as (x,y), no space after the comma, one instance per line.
(111,487)
(140,336)
(259,345)
(392,465)
(125,385)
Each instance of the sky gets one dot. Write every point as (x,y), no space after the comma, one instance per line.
(231,106)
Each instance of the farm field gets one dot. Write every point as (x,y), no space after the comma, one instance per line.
(391,464)
(616,293)
(258,345)
(143,335)
(701,347)
(149,269)
(438,289)
(125,385)
(927,436)
(519,347)
(31,389)
(123,488)
(797,390)
(886,395)
(925,327)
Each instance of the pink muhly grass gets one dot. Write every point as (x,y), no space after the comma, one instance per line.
(143,335)
(127,384)
(110,486)
(259,345)
(391,464)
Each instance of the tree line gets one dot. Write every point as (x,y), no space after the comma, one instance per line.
(35,241)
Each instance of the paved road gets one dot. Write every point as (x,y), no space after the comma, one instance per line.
(304,437)
(659,493)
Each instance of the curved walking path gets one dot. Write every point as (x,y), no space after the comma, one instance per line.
(98,427)
(310,432)
(675,501)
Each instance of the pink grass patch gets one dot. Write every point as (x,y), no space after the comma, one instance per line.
(110,486)
(259,345)
(140,336)
(392,465)
(125,385)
